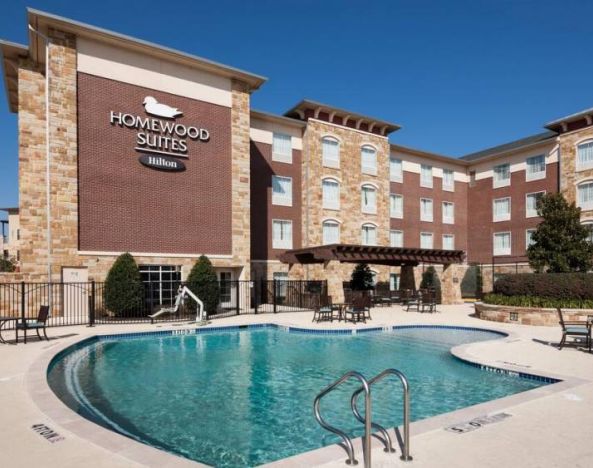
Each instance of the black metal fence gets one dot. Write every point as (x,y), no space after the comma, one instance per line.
(84,303)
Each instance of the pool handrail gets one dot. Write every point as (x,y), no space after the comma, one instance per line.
(405,456)
(367,419)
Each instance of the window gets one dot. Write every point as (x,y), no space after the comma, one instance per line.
(396,206)
(502,243)
(281,234)
(369,199)
(502,175)
(396,171)
(331,194)
(282,148)
(425,176)
(281,279)
(426,240)
(448,212)
(330,149)
(585,196)
(425,209)
(528,237)
(396,238)
(448,180)
(331,232)
(585,155)
(531,203)
(161,283)
(448,242)
(501,209)
(369,234)
(394,282)
(536,168)
(589,225)
(282,191)
(368,160)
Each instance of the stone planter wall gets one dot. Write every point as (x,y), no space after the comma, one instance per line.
(528,315)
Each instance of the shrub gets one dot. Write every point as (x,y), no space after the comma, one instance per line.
(203,283)
(124,292)
(430,279)
(6,265)
(535,301)
(577,286)
(362,278)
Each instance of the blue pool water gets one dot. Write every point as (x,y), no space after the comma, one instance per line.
(245,397)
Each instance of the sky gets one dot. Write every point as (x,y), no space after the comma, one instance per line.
(458,76)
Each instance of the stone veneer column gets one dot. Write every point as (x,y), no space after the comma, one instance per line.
(241,178)
(451,284)
(569,176)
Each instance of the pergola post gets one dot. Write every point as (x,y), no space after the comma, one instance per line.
(407,279)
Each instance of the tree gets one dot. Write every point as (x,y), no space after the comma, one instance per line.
(203,283)
(361,278)
(560,243)
(430,279)
(124,292)
(7,265)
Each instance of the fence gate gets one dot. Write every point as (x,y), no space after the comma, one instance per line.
(75,291)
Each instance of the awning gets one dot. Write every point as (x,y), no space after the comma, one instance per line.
(352,253)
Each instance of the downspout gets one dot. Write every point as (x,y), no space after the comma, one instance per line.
(307,202)
(47,151)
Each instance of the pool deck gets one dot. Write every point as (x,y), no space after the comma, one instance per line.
(551,426)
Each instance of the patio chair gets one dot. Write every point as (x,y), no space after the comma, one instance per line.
(37,324)
(575,329)
(414,301)
(323,310)
(429,301)
(357,310)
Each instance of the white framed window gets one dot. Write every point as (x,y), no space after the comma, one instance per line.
(394,282)
(448,242)
(282,148)
(448,180)
(396,206)
(330,149)
(368,199)
(501,209)
(396,238)
(369,234)
(426,209)
(502,175)
(281,234)
(589,225)
(425,176)
(331,232)
(368,160)
(448,212)
(396,170)
(536,167)
(426,240)
(585,155)
(531,203)
(585,195)
(529,237)
(281,190)
(502,243)
(330,194)
(281,279)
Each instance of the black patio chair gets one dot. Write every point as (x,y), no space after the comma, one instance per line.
(414,301)
(34,324)
(574,329)
(429,301)
(323,310)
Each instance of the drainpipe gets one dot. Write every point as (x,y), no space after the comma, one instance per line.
(47,151)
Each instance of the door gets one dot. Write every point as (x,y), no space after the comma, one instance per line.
(75,293)
(228,295)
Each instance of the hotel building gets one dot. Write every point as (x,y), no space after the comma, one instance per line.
(125,145)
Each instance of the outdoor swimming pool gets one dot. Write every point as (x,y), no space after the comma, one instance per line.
(245,397)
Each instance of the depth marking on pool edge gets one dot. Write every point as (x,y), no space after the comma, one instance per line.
(476,423)
(48,433)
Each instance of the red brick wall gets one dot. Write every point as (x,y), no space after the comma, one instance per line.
(125,206)
(481,228)
(262,212)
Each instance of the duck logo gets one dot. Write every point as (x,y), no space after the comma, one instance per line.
(153,107)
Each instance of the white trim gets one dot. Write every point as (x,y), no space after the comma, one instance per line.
(500,253)
(427,233)
(265,261)
(447,220)
(586,207)
(526,231)
(579,167)
(373,184)
(537,175)
(147,254)
(506,217)
(279,200)
(527,215)
(287,246)
(432,210)
(368,222)
(329,218)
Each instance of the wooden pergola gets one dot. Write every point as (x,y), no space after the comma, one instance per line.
(353,253)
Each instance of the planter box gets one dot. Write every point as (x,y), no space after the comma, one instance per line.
(528,315)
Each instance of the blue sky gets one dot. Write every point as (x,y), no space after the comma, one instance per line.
(459,76)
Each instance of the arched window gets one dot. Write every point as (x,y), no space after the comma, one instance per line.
(585,155)
(368,202)
(331,232)
(368,160)
(330,151)
(369,234)
(330,195)
(585,195)
(589,225)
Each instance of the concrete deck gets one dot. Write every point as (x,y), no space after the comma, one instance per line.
(549,427)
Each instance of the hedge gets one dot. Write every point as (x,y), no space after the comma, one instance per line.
(539,286)
(535,301)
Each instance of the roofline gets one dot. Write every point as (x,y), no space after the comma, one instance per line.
(10,210)
(569,118)
(426,154)
(509,151)
(16,46)
(254,81)
(268,116)
(354,115)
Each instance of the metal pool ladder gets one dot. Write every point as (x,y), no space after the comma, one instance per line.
(367,419)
